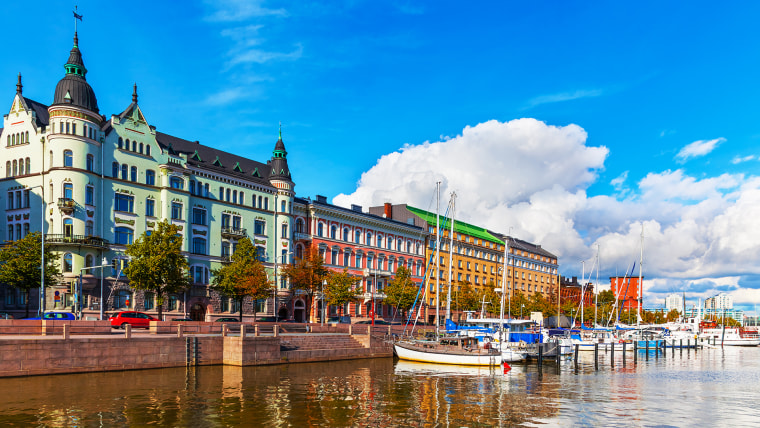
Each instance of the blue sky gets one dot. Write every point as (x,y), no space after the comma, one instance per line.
(571,123)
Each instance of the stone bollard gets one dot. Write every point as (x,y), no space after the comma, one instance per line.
(276,330)
(179,330)
(128,331)
(350,329)
(224,330)
(369,329)
(66,332)
(242,331)
(256,330)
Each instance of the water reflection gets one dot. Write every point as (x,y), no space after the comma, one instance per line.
(691,389)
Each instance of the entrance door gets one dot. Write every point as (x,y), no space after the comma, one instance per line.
(198,312)
(282,314)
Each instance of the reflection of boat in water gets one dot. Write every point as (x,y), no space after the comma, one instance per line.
(448,350)
(439,370)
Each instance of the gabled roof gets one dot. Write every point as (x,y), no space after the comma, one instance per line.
(519,244)
(216,160)
(40,111)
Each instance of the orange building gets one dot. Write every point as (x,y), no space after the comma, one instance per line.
(626,291)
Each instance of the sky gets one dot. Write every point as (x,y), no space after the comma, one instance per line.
(573,125)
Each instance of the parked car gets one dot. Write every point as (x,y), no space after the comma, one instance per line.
(345,319)
(227,320)
(5,316)
(56,316)
(135,319)
(265,319)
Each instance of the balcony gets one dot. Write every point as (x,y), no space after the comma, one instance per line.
(83,240)
(377,272)
(234,232)
(66,205)
(300,236)
(373,296)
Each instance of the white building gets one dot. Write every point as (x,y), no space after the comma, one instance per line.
(719,301)
(674,301)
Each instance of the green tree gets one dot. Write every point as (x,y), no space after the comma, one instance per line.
(463,297)
(605,296)
(401,292)
(244,276)
(673,315)
(340,289)
(20,265)
(157,264)
(306,274)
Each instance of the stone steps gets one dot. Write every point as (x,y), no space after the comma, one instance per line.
(303,343)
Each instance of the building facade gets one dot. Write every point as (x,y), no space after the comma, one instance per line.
(626,291)
(719,301)
(95,184)
(674,301)
(368,246)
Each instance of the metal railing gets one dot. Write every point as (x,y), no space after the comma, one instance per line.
(63,239)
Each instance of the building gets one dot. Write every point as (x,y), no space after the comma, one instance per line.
(477,257)
(368,246)
(674,301)
(96,183)
(626,291)
(715,314)
(571,291)
(719,301)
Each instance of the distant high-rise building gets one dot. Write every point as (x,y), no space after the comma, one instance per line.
(674,301)
(719,301)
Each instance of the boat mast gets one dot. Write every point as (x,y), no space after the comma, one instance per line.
(583,288)
(437,254)
(596,291)
(641,286)
(503,290)
(451,252)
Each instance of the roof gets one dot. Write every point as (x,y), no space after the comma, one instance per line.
(40,110)
(213,159)
(459,226)
(357,213)
(519,244)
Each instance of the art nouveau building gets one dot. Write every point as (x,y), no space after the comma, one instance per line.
(369,246)
(96,183)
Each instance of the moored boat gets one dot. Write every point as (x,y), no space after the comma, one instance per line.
(448,350)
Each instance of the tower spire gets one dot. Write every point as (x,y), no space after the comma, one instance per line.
(134,94)
(19,86)
(280,123)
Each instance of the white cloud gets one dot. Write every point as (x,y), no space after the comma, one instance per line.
(239,10)
(619,181)
(260,56)
(563,96)
(533,177)
(738,159)
(698,148)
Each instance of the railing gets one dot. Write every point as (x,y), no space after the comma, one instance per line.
(90,241)
(66,205)
(300,236)
(234,232)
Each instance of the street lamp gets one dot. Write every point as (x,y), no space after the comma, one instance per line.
(80,291)
(521,308)
(42,247)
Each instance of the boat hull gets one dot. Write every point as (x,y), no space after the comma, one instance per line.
(411,353)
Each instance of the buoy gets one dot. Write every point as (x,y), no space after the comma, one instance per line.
(506,368)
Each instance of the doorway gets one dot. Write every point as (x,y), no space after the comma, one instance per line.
(198,312)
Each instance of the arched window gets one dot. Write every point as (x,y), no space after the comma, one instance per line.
(299,252)
(227,194)
(124,171)
(126,145)
(68,227)
(299,225)
(368,241)
(133,173)
(134,146)
(260,203)
(266,203)
(199,245)
(141,148)
(88,260)
(15,167)
(283,205)
(234,196)
(399,245)
(20,167)
(68,262)
(242,198)
(68,190)
(124,236)
(205,190)
(345,234)
(115,169)
(320,229)
(358,236)
(8,169)
(90,162)
(333,231)
(121,143)
(147,149)
(390,242)
(27,137)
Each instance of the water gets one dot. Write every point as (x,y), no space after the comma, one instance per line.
(712,387)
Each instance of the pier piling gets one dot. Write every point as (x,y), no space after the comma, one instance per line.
(612,356)
(635,351)
(647,350)
(540,356)
(624,343)
(596,356)
(576,357)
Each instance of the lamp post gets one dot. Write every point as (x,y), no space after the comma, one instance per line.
(80,291)
(275,289)
(42,247)
(521,308)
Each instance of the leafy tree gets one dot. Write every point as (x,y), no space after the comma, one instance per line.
(306,274)
(401,292)
(340,289)
(463,297)
(605,296)
(157,264)
(20,265)
(492,299)
(673,315)
(244,276)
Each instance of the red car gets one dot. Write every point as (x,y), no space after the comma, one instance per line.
(136,319)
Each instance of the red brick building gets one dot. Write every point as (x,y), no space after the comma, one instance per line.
(626,290)
(570,290)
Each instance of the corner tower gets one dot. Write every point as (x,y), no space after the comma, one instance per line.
(73,89)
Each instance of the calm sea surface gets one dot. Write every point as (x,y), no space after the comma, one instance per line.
(708,388)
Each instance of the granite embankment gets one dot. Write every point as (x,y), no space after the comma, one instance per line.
(39,347)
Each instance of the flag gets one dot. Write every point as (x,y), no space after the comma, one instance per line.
(76,16)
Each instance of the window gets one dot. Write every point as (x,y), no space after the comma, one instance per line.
(299,225)
(124,203)
(176,183)
(150,177)
(334,257)
(199,216)
(150,207)
(10,200)
(10,232)
(68,227)
(90,162)
(124,236)
(89,228)
(199,274)
(133,173)
(192,187)
(120,143)
(89,195)
(68,191)
(259,227)
(283,205)
(225,249)
(358,261)
(284,230)
(225,220)
(346,258)
(115,169)
(221,193)
(254,202)
(320,229)
(333,230)
(124,171)
(199,245)
(266,203)
(122,299)
(67,262)
(26,229)
(176,211)
(150,299)
(369,238)
(234,196)
(147,149)
(225,305)
(227,193)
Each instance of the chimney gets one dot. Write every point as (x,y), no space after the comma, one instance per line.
(388,210)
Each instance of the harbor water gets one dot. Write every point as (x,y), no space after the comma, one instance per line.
(711,387)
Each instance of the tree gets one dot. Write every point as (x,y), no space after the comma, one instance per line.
(605,296)
(306,274)
(244,276)
(401,292)
(673,315)
(463,297)
(340,289)
(157,264)
(20,265)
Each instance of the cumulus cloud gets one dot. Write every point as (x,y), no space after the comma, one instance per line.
(533,178)
(698,148)
(739,159)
